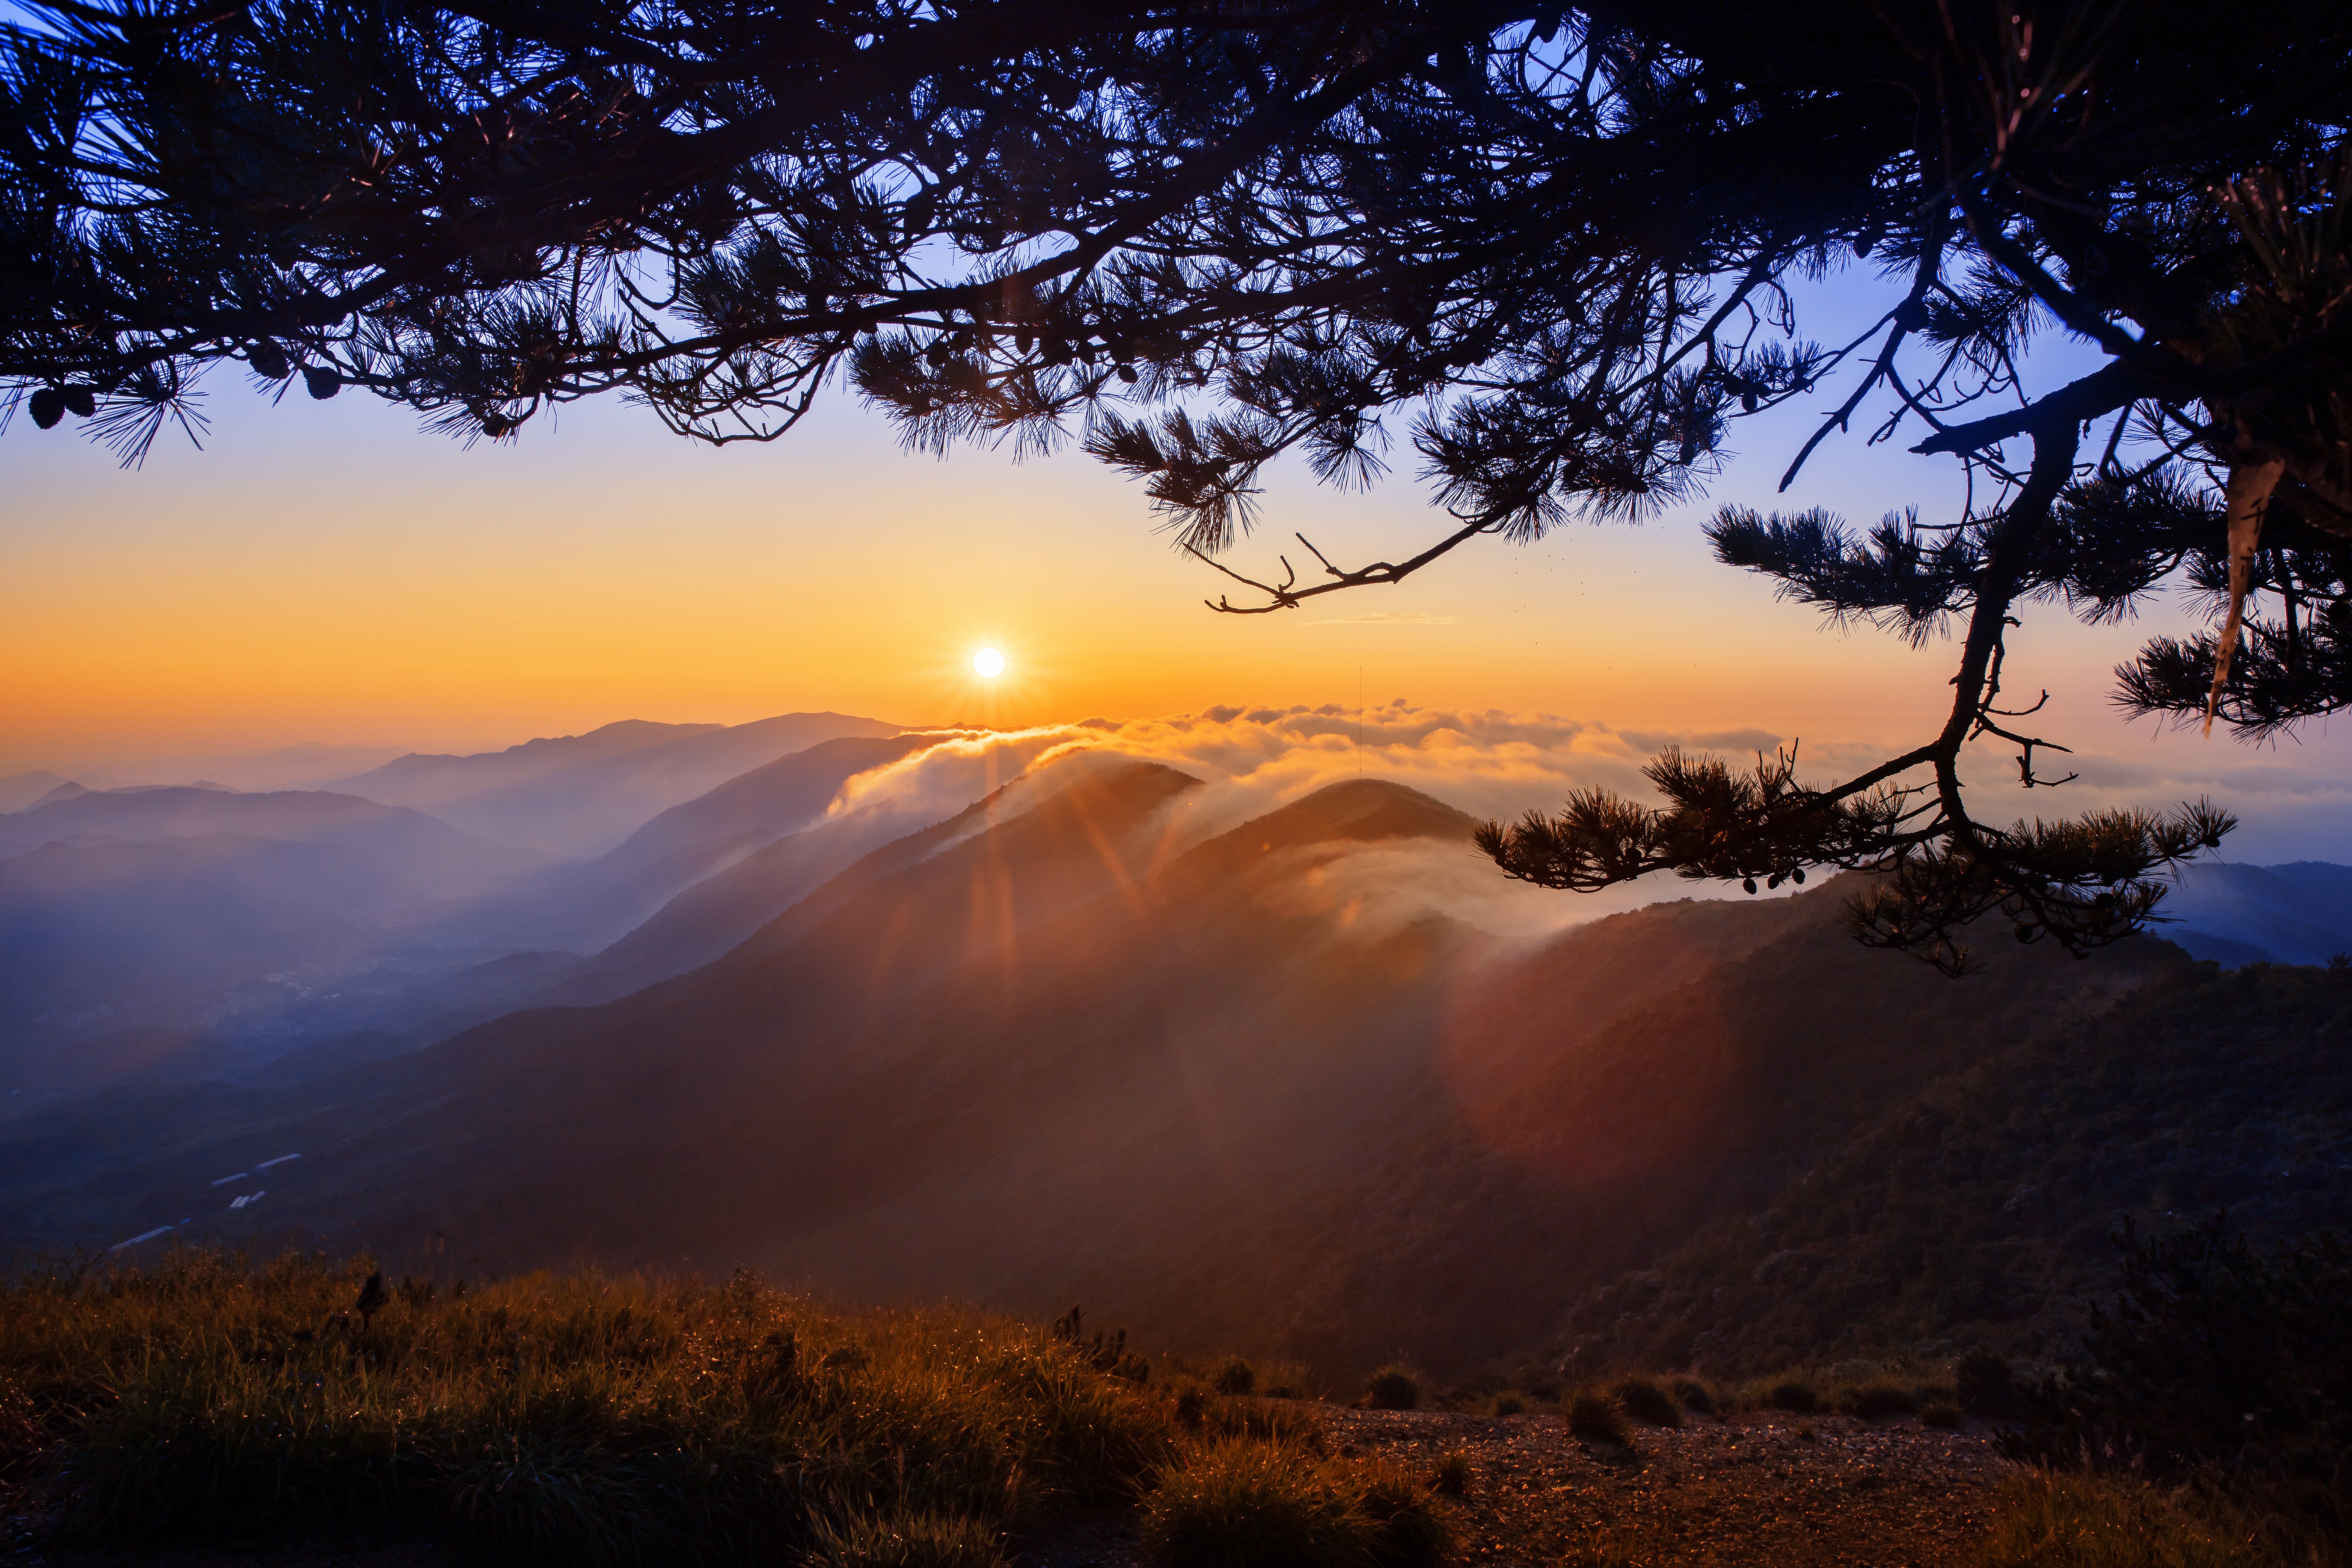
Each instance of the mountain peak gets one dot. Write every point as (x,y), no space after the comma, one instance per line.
(1358,811)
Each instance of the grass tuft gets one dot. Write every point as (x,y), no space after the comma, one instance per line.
(1695,1396)
(919,1540)
(1393,1387)
(1241,1504)
(1794,1394)
(1877,1401)
(1647,1403)
(1233,1375)
(1591,1416)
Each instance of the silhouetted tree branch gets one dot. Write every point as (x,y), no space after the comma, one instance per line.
(1555,247)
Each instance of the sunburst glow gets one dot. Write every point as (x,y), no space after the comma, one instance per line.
(988,663)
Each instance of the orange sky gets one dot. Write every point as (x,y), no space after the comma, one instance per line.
(324,572)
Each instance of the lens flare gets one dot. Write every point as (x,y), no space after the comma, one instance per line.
(988,664)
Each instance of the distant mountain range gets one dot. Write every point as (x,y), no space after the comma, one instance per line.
(1038,1045)
(1254,1093)
(579,796)
(2297,913)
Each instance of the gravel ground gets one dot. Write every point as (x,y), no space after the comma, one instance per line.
(1760,1489)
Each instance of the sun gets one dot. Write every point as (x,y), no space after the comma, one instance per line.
(988,663)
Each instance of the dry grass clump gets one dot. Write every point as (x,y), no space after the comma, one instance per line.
(1393,1387)
(1877,1400)
(623,1421)
(1243,1504)
(1647,1403)
(1233,1375)
(1696,1397)
(2045,1518)
(1595,1417)
(908,1540)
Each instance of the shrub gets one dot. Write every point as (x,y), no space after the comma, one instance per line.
(1233,1375)
(1392,1388)
(1942,1414)
(1877,1401)
(1453,1475)
(1695,1396)
(2047,1519)
(1646,1401)
(1506,1404)
(2218,1354)
(1793,1394)
(1591,1416)
(1239,1504)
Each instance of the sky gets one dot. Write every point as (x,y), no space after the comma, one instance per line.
(327,572)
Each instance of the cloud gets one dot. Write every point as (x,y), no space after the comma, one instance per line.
(1491,763)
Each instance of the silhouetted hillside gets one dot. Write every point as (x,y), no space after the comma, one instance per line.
(1982,1208)
(579,796)
(1255,1093)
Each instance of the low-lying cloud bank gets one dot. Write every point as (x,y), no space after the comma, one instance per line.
(2295,801)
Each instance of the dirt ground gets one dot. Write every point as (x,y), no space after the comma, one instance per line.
(1764,1489)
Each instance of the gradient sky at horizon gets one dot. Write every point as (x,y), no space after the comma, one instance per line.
(327,572)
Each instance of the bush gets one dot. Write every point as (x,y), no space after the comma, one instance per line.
(2216,1355)
(1695,1396)
(1239,1504)
(1393,1388)
(1591,1416)
(1877,1401)
(1793,1394)
(1943,1415)
(1233,1375)
(2047,1519)
(1453,1475)
(1506,1404)
(1646,1401)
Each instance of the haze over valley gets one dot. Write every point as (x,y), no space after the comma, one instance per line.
(1218,1019)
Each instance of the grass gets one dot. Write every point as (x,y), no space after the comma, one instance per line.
(2045,1518)
(595,1420)
(1237,1504)
(1647,1403)
(1595,1417)
(1393,1387)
